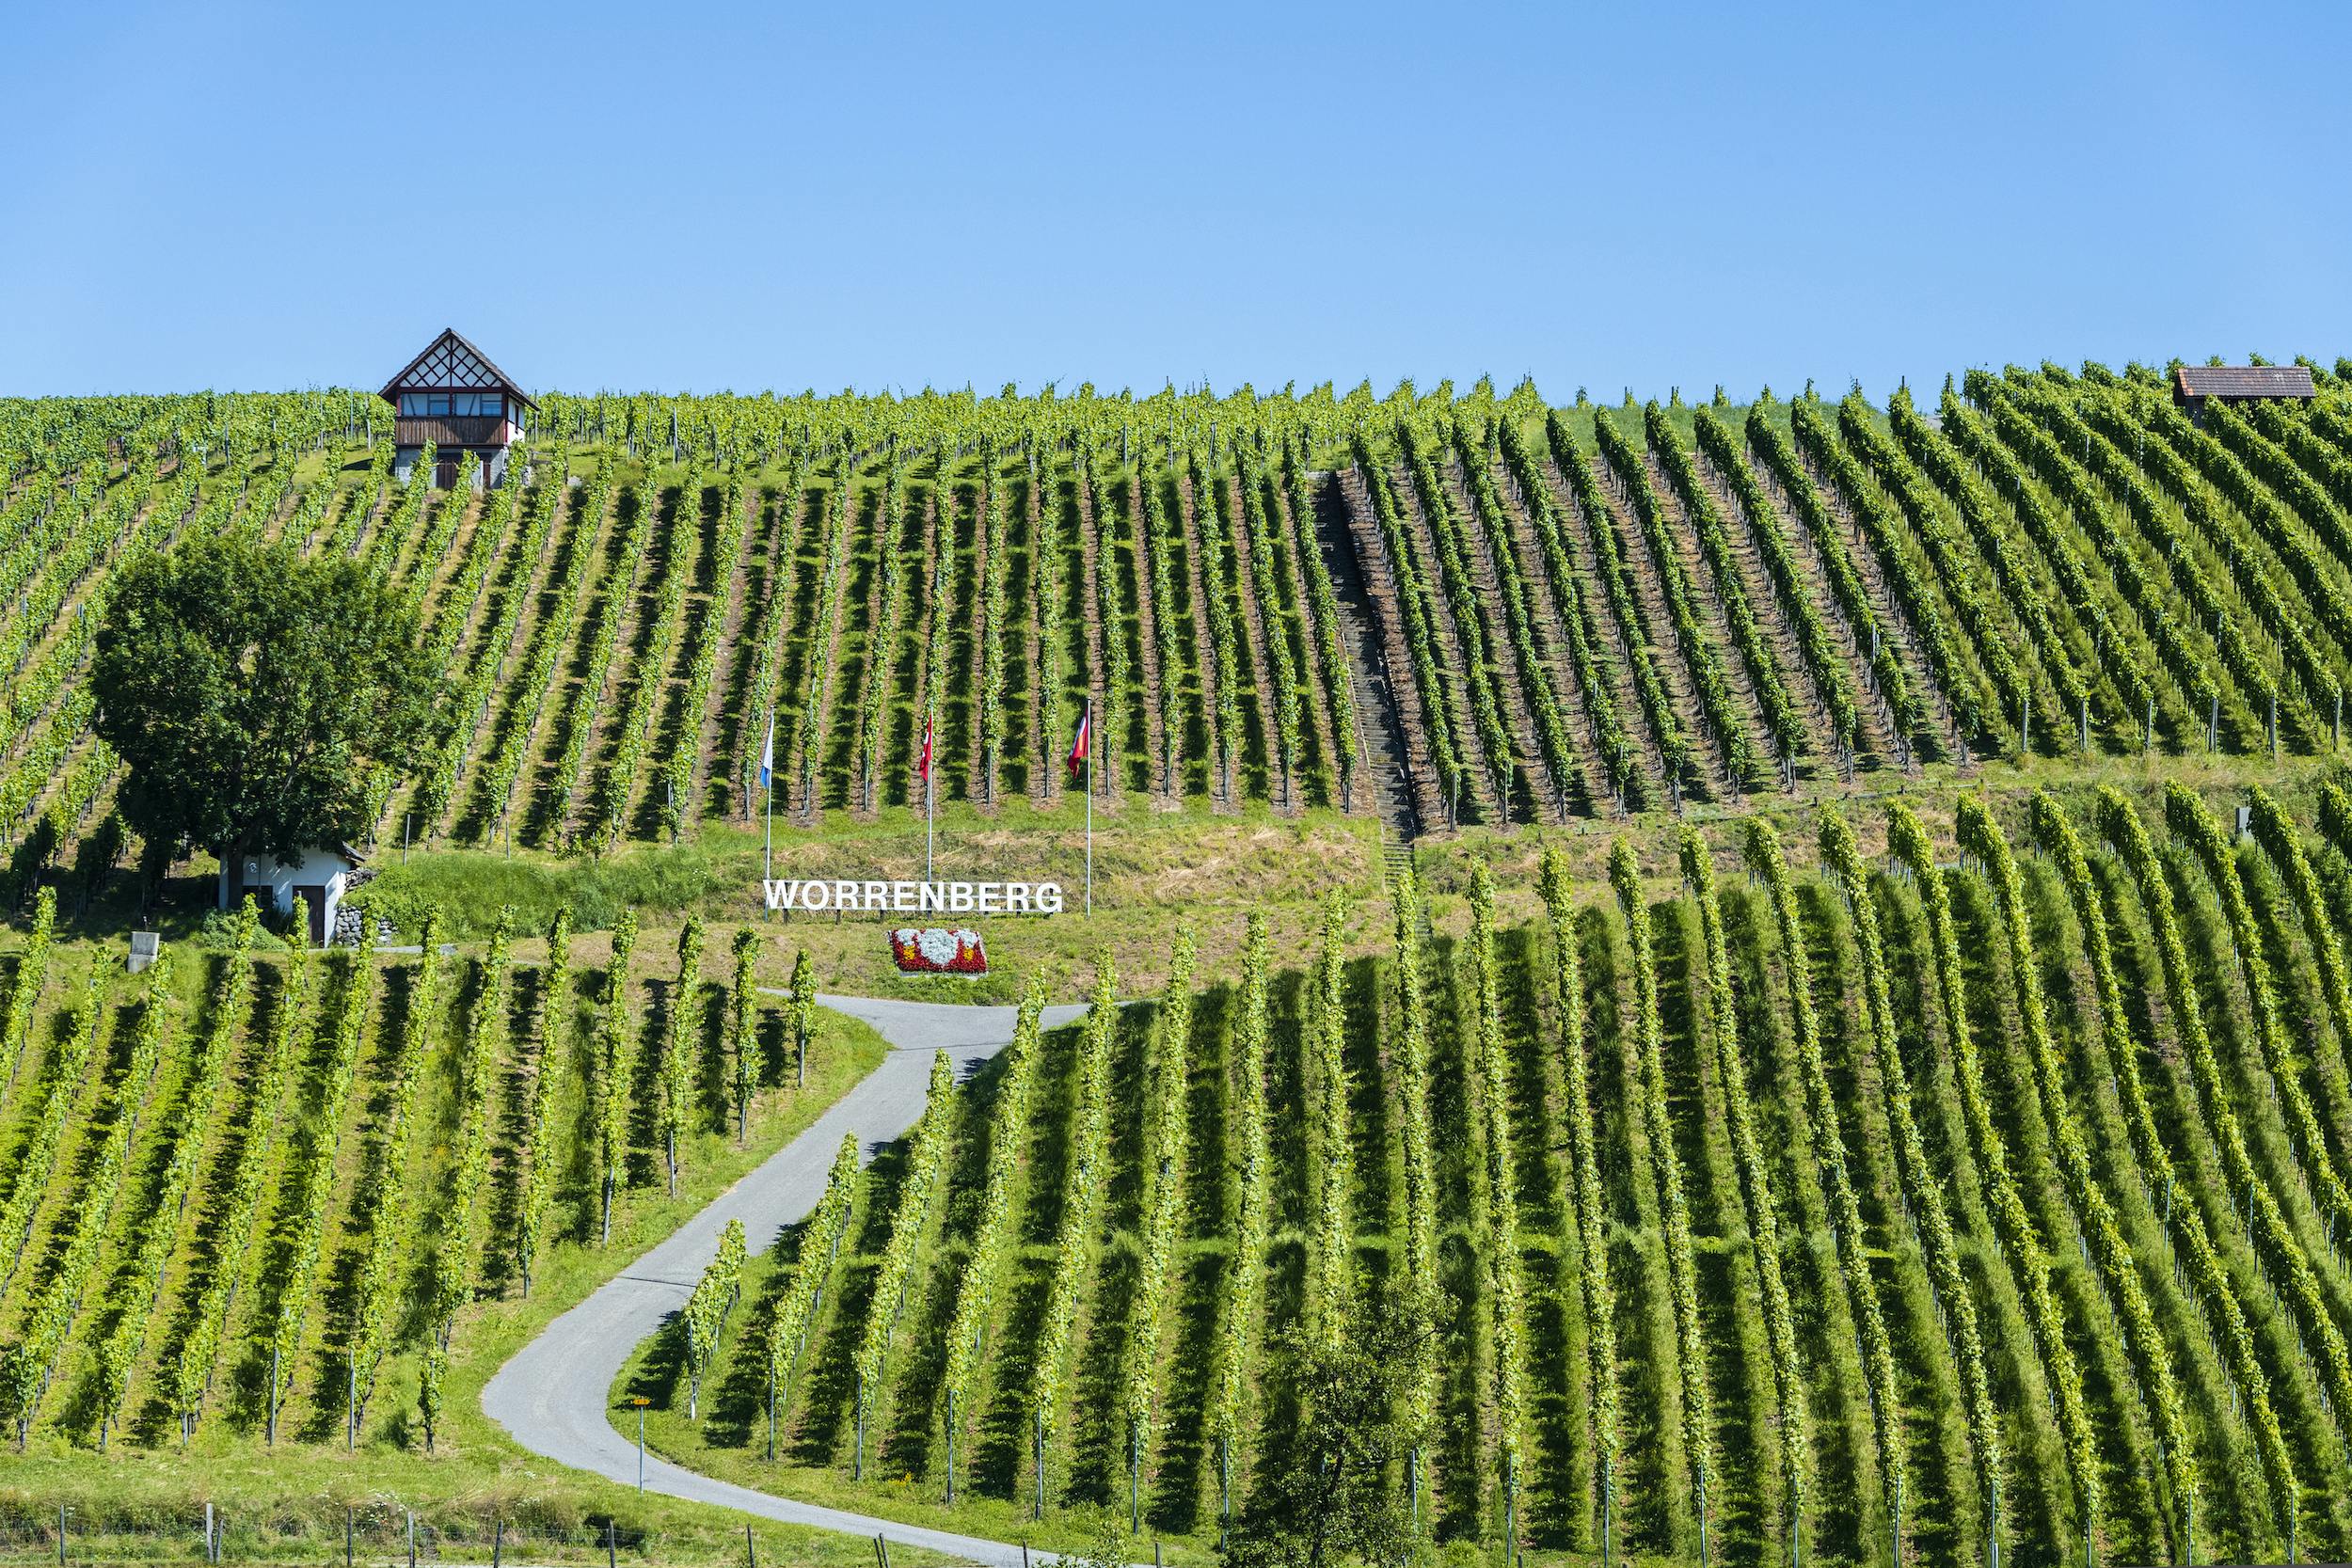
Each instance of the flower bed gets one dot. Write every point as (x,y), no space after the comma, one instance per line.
(935,951)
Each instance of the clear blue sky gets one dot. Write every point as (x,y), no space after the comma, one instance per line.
(673,196)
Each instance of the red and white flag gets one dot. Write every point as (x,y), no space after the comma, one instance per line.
(1086,738)
(925,766)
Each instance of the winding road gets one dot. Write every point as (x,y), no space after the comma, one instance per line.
(552,1394)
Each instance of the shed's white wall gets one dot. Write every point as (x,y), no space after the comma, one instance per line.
(493,466)
(316,867)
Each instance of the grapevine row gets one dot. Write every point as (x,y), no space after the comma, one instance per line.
(1617,583)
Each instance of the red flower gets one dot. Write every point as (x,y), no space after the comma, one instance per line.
(935,951)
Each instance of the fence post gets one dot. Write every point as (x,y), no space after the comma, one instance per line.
(412,1537)
(497,1541)
(1608,1498)
(609,1549)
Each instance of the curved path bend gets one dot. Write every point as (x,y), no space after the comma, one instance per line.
(553,1394)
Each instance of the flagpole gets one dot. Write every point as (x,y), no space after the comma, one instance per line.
(930,797)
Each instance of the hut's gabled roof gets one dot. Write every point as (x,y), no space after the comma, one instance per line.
(449,361)
(2243,381)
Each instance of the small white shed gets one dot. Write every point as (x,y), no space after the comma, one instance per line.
(319,875)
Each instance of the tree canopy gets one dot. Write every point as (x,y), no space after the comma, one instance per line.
(1331,1500)
(252,691)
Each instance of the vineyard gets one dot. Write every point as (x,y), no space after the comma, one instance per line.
(1846,1055)
(1442,608)
(259,1195)
(1771,1201)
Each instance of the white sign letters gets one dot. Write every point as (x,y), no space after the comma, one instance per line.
(891,897)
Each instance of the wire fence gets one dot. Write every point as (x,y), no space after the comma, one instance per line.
(374,1536)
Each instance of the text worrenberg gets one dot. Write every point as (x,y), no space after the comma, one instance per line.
(841,897)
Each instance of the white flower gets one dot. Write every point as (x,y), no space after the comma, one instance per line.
(938,946)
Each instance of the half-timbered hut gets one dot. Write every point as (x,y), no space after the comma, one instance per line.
(452,398)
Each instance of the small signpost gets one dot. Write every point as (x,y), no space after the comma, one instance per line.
(641,1402)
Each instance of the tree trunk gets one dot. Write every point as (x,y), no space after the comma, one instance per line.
(232,877)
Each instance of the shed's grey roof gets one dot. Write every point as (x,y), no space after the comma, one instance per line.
(2243,381)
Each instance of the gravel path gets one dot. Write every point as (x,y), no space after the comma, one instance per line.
(551,1395)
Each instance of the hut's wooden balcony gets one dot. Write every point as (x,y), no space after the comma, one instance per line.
(453,431)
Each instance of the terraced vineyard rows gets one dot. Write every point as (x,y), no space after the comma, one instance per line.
(1886,1204)
(263,1188)
(1580,609)
(1973,1173)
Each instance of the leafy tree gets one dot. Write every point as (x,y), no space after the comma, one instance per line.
(1106,1540)
(252,691)
(1334,1502)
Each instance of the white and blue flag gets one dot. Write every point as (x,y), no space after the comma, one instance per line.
(768,755)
